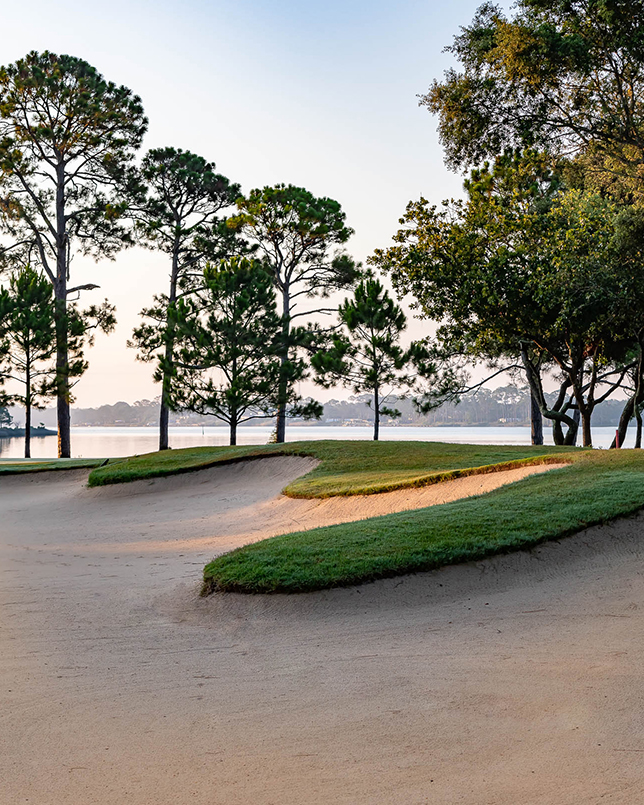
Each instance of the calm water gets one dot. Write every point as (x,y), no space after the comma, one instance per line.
(110,442)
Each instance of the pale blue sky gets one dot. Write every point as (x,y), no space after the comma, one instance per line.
(321,95)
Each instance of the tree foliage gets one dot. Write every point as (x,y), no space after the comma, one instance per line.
(28,330)
(526,270)
(228,344)
(295,234)
(366,353)
(180,214)
(564,75)
(67,141)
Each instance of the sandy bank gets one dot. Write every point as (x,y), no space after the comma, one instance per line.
(514,680)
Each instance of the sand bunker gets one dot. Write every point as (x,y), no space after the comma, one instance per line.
(514,680)
(224,507)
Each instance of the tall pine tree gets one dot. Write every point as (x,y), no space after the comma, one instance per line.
(295,233)
(67,141)
(180,215)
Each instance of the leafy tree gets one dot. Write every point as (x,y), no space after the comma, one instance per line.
(628,240)
(448,258)
(533,275)
(5,418)
(295,233)
(233,332)
(67,140)
(181,216)
(28,325)
(367,356)
(564,74)
(561,74)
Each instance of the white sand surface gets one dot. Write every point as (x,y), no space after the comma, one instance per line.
(514,680)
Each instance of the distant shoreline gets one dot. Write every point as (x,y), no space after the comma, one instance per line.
(11,433)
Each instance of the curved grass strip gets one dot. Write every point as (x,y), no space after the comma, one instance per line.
(346,467)
(346,485)
(15,466)
(597,488)
(174,462)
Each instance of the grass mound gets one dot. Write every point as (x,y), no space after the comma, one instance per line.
(346,467)
(595,488)
(17,465)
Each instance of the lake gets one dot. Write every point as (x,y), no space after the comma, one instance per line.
(115,441)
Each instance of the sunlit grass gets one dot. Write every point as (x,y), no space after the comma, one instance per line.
(11,466)
(598,486)
(346,467)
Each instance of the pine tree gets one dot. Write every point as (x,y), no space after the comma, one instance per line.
(295,233)
(180,216)
(67,141)
(27,319)
(227,360)
(366,354)
(28,326)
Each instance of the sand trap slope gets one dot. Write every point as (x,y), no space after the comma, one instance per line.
(514,680)
(283,515)
(223,507)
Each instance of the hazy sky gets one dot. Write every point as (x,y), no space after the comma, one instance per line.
(320,95)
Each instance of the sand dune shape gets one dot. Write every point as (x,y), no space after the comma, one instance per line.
(232,505)
(513,680)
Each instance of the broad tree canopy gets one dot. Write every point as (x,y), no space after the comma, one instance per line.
(566,75)
(524,271)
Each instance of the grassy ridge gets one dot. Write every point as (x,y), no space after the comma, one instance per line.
(346,467)
(14,466)
(596,488)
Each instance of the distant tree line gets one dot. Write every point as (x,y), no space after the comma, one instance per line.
(536,273)
(502,406)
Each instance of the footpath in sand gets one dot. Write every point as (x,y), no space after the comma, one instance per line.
(514,680)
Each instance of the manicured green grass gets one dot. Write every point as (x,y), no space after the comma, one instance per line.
(598,486)
(11,466)
(173,462)
(346,467)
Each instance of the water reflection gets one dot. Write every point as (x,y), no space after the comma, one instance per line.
(111,442)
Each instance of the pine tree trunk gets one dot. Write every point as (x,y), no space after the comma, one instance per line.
(164,415)
(280,425)
(233,429)
(168,355)
(62,346)
(638,435)
(28,426)
(376,414)
(536,419)
(27,401)
(282,391)
(62,380)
